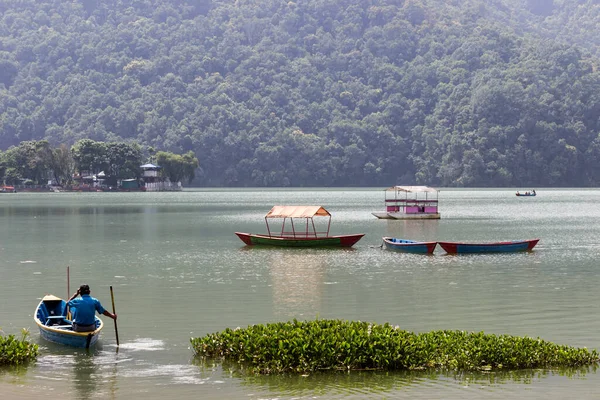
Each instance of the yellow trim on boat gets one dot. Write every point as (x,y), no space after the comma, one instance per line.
(63,331)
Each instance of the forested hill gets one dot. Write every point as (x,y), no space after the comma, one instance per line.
(316,92)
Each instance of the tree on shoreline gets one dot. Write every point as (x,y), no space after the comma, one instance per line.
(63,165)
(177,167)
(29,161)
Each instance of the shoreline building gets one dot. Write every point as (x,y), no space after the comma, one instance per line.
(153,182)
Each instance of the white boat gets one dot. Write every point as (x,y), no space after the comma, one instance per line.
(410,202)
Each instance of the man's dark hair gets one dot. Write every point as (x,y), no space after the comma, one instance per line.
(84,289)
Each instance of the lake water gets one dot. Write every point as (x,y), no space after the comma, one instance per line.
(178,271)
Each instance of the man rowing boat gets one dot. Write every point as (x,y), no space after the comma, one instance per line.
(84,310)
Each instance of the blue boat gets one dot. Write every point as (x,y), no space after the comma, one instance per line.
(409,246)
(55,326)
(493,247)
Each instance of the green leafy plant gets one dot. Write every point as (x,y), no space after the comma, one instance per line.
(14,351)
(300,347)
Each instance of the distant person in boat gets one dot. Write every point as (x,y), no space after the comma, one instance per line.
(84,310)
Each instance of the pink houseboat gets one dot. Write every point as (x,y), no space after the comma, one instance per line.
(410,202)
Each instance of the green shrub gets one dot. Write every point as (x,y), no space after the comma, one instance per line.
(344,345)
(15,351)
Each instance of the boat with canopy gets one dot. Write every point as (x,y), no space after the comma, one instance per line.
(410,202)
(298,229)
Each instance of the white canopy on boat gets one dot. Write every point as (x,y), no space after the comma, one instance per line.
(412,189)
(297,212)
(50,297)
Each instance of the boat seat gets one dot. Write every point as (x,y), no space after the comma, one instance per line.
(53,320)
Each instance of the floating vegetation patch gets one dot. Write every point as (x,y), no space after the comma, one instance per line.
(14,351)
(305,346)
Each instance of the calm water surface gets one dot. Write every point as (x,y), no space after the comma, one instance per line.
(179,271)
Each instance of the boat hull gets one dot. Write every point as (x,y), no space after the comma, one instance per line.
(55,327)
(70,338)
(409,246)
(330,241)
(496,247)
(524,195)
(399,215)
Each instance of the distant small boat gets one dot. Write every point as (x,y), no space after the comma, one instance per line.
(526,194)
(7,189)
(51,318)
(409,246)
(308,236)
(493,247)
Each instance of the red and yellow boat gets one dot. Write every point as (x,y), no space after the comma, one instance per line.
(308,236)
(492,247)
(7,189)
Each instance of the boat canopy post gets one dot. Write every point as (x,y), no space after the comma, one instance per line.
(268,229)
(312,221)
(283,226)
(328,225)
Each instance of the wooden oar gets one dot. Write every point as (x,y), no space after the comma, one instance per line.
(68,293)
(112,297)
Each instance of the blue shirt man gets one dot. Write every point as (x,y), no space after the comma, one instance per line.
(84,310)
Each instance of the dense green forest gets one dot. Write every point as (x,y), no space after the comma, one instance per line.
(467,93)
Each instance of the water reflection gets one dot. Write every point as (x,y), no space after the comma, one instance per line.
(383,383)
(298,279)
(420,230)
(15,371)
(85,210)
(85,374)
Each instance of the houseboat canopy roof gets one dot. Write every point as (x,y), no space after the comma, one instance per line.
(297,212)
(149,166)
(412,189)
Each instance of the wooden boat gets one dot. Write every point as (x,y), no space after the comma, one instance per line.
(51,318)
(410,202)
(7,189)
(492,247)
(409,246)
(526,194)
(307,237)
